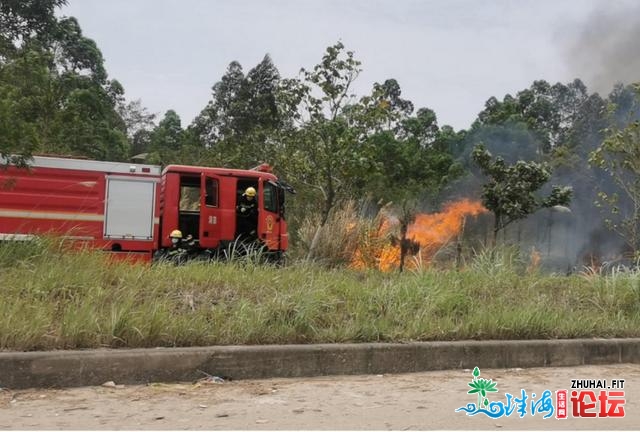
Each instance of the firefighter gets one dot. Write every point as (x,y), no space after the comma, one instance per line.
(180,247)
(176,237)
(247,211)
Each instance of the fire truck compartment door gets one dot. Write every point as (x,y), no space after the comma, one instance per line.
(129,205)
(269,223)
(211,218)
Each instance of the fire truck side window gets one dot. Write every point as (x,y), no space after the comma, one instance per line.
(211,190)
(189,195)
(270,198)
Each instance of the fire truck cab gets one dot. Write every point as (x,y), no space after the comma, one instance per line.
(132,209)
(201,202)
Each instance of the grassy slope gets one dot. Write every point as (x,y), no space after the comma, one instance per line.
(52,300)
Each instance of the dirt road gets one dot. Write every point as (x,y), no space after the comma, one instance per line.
(399,402)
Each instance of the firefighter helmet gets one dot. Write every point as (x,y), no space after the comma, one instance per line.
(251,192)
(176,234)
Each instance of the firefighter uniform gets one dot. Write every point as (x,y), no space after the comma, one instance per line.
(247,211)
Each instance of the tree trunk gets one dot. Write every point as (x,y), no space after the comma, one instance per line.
(314,242)
(403,243)
(328,206)
(497,226)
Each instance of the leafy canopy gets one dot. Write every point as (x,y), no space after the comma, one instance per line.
(54,93)
(510,191)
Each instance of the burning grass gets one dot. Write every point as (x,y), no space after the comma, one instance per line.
(349,238)
(54,300)
(428,233)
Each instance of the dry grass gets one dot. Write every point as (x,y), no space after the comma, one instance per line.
(337,239)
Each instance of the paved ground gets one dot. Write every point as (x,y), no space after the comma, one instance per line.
(399,402)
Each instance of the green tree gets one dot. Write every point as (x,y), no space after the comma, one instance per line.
(25,90)
(76,54)
(344,142)
(415,162)
(511,140)
(619,156)
(167,139)
(510,192)
(241,122)
(24,20)
(85,127)
(141,143)
(211,125)
(56,97)
(136,117)
(414,165)
(328,145)
(548,112)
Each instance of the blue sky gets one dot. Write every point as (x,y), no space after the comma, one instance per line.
(450,56)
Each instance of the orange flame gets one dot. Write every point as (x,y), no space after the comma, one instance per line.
(429,231)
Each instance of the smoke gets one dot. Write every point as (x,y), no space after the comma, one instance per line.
(564,241)
(605,49)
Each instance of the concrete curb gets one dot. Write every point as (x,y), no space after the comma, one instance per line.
(138,366)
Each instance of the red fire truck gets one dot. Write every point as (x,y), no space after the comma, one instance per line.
(132,208)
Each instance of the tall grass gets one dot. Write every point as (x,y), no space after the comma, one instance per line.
(52,299)
(336,241)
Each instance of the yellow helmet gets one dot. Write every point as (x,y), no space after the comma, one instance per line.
(250,192)
(175,234)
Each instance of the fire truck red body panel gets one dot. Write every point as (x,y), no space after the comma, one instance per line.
(212,220)
(132,208)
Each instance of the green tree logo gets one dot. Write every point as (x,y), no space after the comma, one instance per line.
(481,386)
